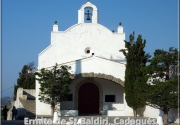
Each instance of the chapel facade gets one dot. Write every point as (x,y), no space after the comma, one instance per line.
(92,52)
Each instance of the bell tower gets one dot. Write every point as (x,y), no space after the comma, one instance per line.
(81,12)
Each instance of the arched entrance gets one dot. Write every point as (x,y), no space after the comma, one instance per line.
(88,99)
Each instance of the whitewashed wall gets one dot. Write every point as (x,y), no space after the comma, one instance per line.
(41,108)
(109,88)
(93,64)
(71,44)
(98,65)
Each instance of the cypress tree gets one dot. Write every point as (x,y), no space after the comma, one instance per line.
(135,79)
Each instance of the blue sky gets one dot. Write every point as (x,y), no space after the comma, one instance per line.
(26,27)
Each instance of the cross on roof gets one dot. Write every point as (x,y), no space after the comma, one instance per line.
(88,0)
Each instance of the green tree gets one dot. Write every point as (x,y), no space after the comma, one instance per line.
(54,85)
(162,62)
(26,78)
(135,80)
(163,92)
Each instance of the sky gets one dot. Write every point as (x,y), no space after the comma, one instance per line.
(26,26)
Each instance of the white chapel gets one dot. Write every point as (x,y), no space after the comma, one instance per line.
(92,52)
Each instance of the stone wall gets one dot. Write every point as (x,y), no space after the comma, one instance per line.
(24,94)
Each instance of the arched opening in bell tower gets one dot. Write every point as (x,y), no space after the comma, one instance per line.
(88,12)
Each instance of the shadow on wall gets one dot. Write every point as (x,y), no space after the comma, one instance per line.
(121,96)
(173,114)
(70,113)
(30,114)
(21,113)
(78,67)
(114,108)
(105,108)
(118,60)
(29,96)
(140,111)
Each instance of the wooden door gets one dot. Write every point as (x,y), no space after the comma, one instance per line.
(88,99)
